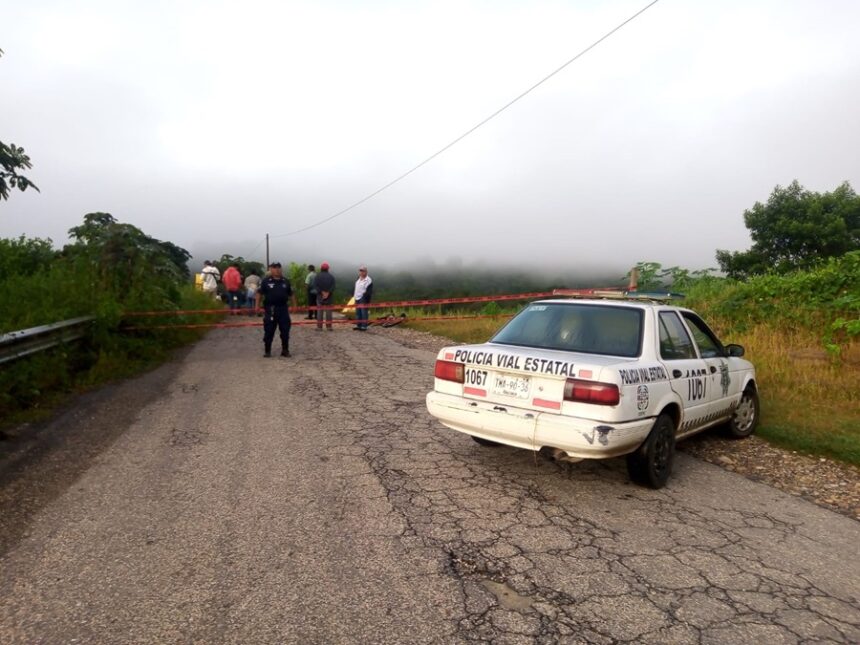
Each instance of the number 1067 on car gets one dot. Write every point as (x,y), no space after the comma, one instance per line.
(476,377)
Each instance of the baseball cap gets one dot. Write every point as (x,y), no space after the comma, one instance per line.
(275,265)
(324,265)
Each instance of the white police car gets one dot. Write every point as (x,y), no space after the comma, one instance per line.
(591,379)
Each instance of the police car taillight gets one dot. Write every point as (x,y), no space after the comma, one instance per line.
(591,392)
(450,371)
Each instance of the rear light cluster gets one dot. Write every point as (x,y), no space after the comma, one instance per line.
(591,392)
(450,371)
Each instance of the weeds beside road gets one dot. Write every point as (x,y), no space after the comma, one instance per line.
(108,269)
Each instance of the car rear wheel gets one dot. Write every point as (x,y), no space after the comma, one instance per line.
(745,418)
(651,464)
(485,442)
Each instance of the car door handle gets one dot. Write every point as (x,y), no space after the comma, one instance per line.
(499,408)
(713,370)
(677,373)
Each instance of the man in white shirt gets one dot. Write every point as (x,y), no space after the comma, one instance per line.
(211,276)
(362,294)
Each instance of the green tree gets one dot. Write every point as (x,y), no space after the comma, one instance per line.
(649,276)
(12,161)
(795,229)
(25,256)
(127,263)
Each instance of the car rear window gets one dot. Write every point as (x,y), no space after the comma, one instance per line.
(590,329)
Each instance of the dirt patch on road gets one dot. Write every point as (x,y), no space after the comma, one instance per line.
(825,482)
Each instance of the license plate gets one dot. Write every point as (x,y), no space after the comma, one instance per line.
(517,386)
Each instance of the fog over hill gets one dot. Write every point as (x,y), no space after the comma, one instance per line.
(211,124)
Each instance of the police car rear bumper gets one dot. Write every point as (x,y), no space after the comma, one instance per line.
(520,428)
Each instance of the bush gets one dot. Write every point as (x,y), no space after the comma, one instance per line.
(109,269)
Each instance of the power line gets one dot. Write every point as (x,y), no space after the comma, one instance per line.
(473,128)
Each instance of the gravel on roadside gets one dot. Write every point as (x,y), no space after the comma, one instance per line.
(823,481)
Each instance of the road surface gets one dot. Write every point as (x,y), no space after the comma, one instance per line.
(227,498)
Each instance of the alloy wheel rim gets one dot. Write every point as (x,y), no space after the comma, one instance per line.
(745,413)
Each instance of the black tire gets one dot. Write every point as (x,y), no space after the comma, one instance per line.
(485,442)
(651,464)
(745,417)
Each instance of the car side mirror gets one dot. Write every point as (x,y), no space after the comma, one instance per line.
(735,350)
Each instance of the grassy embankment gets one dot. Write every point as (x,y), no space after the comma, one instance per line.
(31,387)
(802,333)
(111,269)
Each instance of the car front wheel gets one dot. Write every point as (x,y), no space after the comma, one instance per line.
(745,418)
(651,464)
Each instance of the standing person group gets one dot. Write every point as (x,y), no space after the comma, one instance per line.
(320,287)
(274,294)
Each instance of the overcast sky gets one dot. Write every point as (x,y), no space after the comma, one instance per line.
(211,123)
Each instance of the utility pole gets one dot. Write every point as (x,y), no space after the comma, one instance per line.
(267,249)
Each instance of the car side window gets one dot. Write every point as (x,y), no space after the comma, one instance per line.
(675,342)
(709,346)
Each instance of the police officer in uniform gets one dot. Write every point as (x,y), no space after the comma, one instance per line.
(274,293)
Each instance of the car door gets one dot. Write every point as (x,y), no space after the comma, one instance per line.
(688,373)
(720,394)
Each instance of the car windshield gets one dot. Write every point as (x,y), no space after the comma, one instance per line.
(576,327)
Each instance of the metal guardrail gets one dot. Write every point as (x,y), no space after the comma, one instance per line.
(17,344)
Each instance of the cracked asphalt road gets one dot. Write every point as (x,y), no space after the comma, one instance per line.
(313,500)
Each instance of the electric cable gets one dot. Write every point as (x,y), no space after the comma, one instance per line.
(470,130)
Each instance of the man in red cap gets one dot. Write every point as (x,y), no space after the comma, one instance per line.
(324,284)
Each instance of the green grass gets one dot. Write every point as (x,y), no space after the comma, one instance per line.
(33,386)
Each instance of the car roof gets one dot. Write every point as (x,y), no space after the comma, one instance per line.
(611,302)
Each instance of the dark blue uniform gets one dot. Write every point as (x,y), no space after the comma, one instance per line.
(276,294)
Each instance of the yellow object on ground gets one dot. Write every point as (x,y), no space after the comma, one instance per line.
(349,310)
(198,281)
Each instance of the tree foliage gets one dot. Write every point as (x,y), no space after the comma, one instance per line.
(795,229)
(125,264)
(24,256)
(653,277)
(12,161)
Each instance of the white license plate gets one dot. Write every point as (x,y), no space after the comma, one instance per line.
(517,386)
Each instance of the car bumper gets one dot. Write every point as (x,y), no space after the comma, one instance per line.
(579,438)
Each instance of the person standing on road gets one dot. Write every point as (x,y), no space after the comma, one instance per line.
(252,284)
(211,276)
(233,284)
(312,291)
(275,293)
(324,284)
(362,294)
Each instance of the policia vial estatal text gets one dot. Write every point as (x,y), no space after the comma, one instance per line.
(274,294)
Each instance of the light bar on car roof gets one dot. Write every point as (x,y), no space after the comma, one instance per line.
(618,294)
